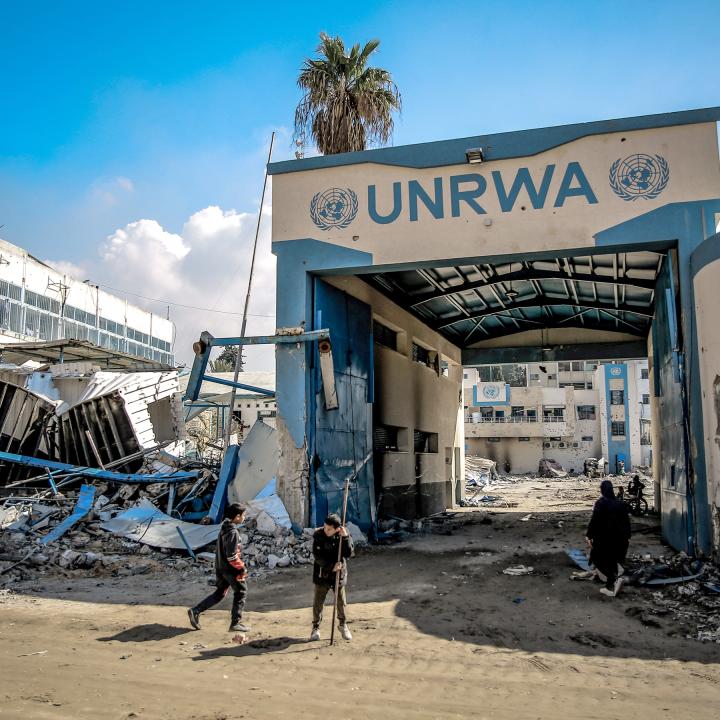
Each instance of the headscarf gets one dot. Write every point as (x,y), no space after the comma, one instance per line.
(606,490)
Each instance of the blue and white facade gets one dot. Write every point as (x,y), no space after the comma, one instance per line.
(569,243)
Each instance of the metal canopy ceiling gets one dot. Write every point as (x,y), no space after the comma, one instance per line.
(474,302)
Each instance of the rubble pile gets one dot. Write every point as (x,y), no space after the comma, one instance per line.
(89,550)
(686,590)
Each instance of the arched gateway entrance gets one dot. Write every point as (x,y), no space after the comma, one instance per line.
(576,242)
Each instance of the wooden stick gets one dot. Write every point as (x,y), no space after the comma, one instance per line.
(338,575)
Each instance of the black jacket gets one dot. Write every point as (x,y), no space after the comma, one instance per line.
(610,523)
(228,560)
(325,552)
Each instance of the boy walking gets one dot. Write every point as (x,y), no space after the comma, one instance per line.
(230,571)
(327,571)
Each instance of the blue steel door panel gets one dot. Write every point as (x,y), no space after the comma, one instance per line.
(672,458)
(341,439)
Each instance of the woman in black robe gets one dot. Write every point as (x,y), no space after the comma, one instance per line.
(608,535)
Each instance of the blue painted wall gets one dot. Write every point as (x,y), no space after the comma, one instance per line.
(618,447)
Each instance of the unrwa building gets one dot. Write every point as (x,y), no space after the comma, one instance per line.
(587,241)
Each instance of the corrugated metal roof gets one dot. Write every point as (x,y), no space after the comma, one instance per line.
(473,302)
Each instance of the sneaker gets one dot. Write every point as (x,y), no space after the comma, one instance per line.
(608,593)
(194,618)
(315,634)
(345,632)
(618,586)
(238,627)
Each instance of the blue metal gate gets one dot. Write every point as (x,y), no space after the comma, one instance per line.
(341,439)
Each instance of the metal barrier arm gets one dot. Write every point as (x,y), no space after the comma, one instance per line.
(284,336)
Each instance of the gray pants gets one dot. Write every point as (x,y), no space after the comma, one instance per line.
(321,592)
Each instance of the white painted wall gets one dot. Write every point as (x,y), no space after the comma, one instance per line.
(707,299)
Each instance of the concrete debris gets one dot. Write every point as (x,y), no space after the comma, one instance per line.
(479,501)
(551,468)
(265,524)
(358,536)
(88,548)
(479,471)
(257,463)
(595,467)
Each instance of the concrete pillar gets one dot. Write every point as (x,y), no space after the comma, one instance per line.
(705,266)
(296,262)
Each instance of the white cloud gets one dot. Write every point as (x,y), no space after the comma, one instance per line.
(125,183)
(67,268)
(110,192)
(205,265)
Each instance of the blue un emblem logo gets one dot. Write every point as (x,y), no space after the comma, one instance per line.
(334,208)
(639,176)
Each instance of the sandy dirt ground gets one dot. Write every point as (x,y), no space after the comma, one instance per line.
(440,632)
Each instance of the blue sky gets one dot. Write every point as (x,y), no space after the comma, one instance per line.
(115,112)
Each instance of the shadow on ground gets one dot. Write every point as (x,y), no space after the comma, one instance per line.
(147,633)
(452,586)
(256,647)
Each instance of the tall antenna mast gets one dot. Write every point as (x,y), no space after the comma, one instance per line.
(238,360)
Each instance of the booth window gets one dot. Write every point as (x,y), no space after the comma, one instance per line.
(425,442)
(385,336)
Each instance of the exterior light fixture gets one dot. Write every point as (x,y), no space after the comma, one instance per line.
(475,155)
(511,294)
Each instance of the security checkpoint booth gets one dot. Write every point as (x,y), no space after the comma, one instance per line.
(587,241)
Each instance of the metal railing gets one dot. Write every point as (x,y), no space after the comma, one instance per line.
(515,419)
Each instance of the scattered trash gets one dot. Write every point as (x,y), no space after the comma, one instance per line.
(526,518)
(144,523)
(518,570)
(579,558)
(709,635)
(81,509)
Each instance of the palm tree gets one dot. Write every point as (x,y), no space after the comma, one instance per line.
(225,361)
(346,105)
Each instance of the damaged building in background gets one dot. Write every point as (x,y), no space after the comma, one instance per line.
(520,414)
(61,403)
(41,304)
